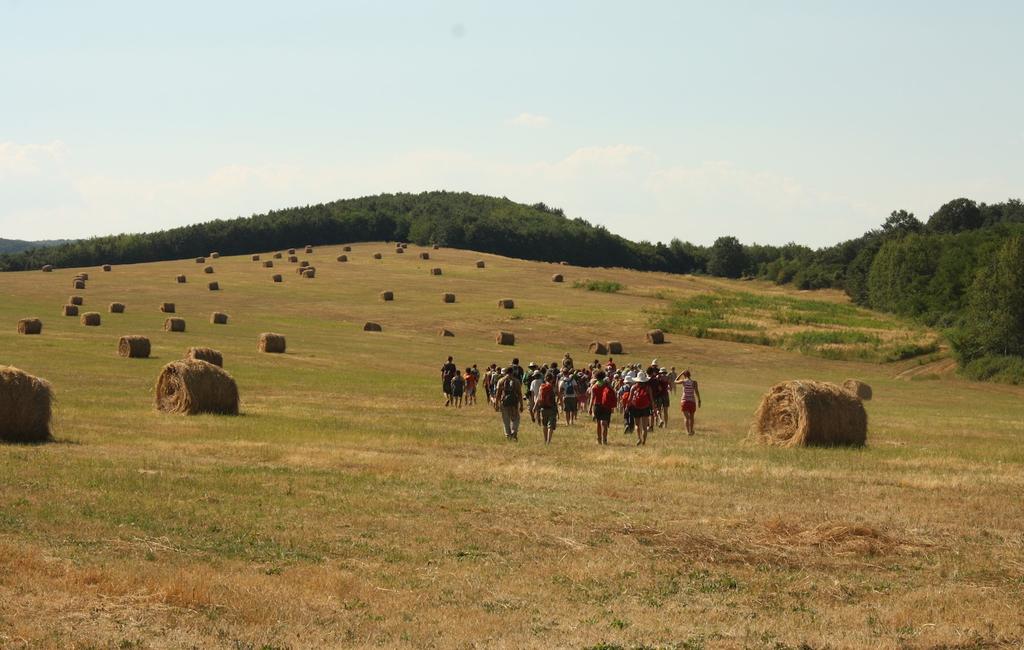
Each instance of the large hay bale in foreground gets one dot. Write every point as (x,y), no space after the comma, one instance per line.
(30,326)
(167,307)
(615,347)
(191,386)
(445,332)
(505,338)
(116,308)
(387,296)
(271,342)
(435,271)
(78,284)
(598,348)
(208,355)
(181,279)
(858,388)
(424,256)
(24,406)
(76,300)
(799,413)
(277,277)
(219,318)
(90,319)
(480,264)
(47,268)
(207,269)
(449,297)
(343,258)
(372,327)
(558,277)
(133,347)
(213,286)
(70,310)
(174,325)
(657,337)
(269,264)
(507,303)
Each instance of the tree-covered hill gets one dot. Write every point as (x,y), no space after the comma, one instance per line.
(18,245)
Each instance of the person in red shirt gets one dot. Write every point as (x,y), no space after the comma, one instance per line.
(641,403)
(470,379)
(604,400)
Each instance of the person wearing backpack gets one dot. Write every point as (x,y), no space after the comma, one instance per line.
(627,413)
(508,400)
(604,399)
(641,401)
(567,391)
(448,370)
(547,407)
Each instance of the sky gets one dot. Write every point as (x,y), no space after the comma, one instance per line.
(770,121)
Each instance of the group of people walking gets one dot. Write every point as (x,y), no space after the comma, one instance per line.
(642,396)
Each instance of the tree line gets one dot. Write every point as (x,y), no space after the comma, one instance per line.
(960,270)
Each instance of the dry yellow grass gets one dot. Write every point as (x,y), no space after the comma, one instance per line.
(347,507)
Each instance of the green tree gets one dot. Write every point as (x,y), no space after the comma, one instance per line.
(956,216)
(994,316)
(727,258)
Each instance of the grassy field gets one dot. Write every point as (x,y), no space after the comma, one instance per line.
(346,507)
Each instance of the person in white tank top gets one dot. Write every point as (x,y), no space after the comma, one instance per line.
(690,401)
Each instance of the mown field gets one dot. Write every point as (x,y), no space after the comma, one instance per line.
(346,507)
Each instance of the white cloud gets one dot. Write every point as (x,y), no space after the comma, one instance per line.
(530,120)
(29,158)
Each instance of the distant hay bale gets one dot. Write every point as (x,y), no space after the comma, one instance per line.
(255,258)
(309,273)
(309,249)
(557,277)
(278,256)
(76,300)
(404,245)
(219,318)
(174,325)
(106,267)
(25,406)
(858,388)
(377,256)
(347,249)
(271,342)
(200,260)
(47,268)
(480,264)
(657,337)
(191,386)
(291,251)
(90,319)
(133,347)
(435,271)
(269,264)
(564,263)
(445,332)
(181,279)
(30,326)
(598,348)
(507,303)
(116,308)
(213,286)
(399,250)
(214,255)
(615,347)
(78,284)
(449,297)
(387,295)
(277,277)
(82,276)
(424,255)
(70,310)
(207,269)
(167,307)
(801,413)
(505,338)
(343,258)
(208,355)
(292,259)
(303,264)
(372,327)
(436,247)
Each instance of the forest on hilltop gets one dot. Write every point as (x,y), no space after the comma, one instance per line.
(961,271)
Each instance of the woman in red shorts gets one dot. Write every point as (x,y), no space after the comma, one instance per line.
(690,401)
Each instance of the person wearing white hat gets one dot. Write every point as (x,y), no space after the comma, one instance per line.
(641,402)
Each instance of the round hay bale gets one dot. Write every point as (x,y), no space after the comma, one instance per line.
(70,310)
(424,255)
(564,263)
(213,286)
(116,308)
(191,386)
(292,259)
(436,247)
(167,307)
(208,269)
(657,337)
(377,256)
(372,327)
(106,267)
(271,342)
(480,264)
(304,264)
(181,279)
(404,245)
(269,264)
(30,326)
(82,276)
(76,300)
(309,249)
(277,277)
(133,347)
(208,355)
(347,249)
(90,319)
(507,303)
(449,297)
(557,277)
(399,250)
(343,258)
(598,348)
(79,284)
(200,260)
(291,251)
(278,256)
(505,338)
(387,296)
(24,406)
(219,318)
(615,347)
(309,273)
(858,388)
(445,332)
(801,413)
(174,325)
(255,258)
(47,268)
(214,255)
(435,271)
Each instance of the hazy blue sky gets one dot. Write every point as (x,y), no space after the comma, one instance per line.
(802,121)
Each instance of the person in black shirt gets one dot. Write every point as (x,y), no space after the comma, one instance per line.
(448,372)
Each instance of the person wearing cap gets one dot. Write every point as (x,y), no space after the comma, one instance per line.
(690,399)
(547,406)
(508,400)
(641,403)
